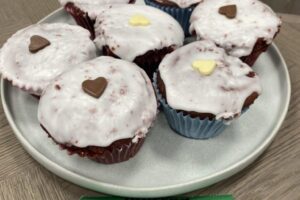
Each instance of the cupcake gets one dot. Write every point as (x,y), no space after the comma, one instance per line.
(181,10)
(34,56)
(107,106)
(244,29)
(137,33)
(84,12)
(202,89)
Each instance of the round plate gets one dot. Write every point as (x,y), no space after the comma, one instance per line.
(167,164)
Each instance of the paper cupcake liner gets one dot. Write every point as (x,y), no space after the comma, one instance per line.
(187,126)
(182,15)
(81,18)
(108,155)
(120,154)
(34,91)
(119,151)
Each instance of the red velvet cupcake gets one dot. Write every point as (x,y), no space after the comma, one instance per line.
(202,90)
(84,12)
(139,34)
(35,55)
(107,107)
(244,29)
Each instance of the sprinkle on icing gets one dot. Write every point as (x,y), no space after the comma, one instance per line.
(70,45)
(205,67)
(126,109)
(139,20)
(222,94)
(237,36)
(126,41)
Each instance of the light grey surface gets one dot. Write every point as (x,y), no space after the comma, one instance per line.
(167,164)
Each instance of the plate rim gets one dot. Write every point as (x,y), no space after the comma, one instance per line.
(152,192)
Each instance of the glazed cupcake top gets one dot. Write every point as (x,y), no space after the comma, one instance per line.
(34,56)
(234,25)
(201,77)
(132,30)
(93,7)
(120,103)
(179,3)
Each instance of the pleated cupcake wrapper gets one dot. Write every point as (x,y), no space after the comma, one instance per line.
(187,126)
(182,15)
(34,91)
(115,154)
(81,18)
(120,154)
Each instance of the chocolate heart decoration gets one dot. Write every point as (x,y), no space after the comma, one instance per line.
(94,88)
(37,43)
(229,11)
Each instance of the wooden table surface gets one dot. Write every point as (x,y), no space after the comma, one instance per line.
(274,175)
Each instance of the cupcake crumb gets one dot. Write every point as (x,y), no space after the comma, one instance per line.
(93,110)
(114,130)
(112,70)
(57,87)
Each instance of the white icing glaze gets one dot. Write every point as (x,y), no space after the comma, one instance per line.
(126,109)
(70,45)
(112,28)
(185,3)
(238,36)
(93,7)
(223,93)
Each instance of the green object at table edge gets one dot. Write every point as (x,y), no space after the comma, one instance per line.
(211,197)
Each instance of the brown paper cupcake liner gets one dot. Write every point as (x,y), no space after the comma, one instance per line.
(119,151)
(122,152)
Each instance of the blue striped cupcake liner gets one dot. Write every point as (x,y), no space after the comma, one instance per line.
(187,126)
(182,15)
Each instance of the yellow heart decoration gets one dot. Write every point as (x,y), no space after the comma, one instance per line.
(205,67)
(139,20)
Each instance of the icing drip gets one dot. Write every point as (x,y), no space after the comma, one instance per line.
(222,93)
(238,36)
(113,29)
(69,45)
(126,109)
